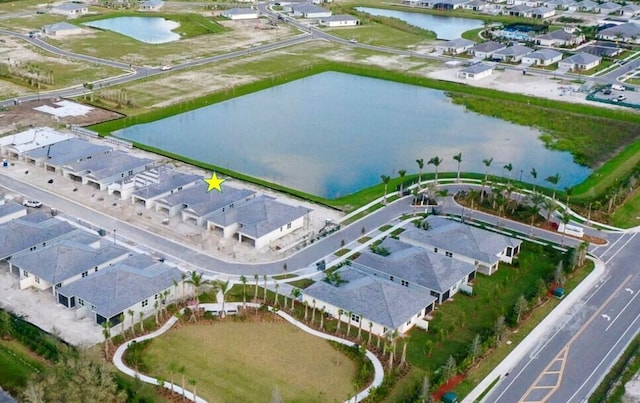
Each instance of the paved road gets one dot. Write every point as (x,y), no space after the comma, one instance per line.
(568,364)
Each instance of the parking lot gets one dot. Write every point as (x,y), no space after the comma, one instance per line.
(614,94)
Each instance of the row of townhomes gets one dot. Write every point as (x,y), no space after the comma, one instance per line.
(251,218)
(309,11)
(83,270)
(395,286)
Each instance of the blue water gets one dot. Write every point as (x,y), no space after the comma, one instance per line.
(333,134)
(144,29)
(445,27)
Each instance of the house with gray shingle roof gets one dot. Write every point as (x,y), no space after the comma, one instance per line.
(417,267)
(375,304)
(628,32)
(609,7)
(559,37)
(476,71)
(135,284)
(587,6)
(10,210)
(580,62)
(30,233)
(54,156)
(630,10)
(259,221)
(244,13)
(14,145)
(214,202)
(61,29)
(105,169)
(485,50)
(64,262)
(165,182)
(307,10)
(511,54)
(456,46)
(542,57)
(70,9)
(151,5)
(482,248)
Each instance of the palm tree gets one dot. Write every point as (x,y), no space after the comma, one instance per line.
(256,277)
(340,313)
(360,327)
(534,175)
(182,371)
(223,287)
(535,203)
(276,302)
(295,293)
(197,281)
(554,179)
(306,310)
(264,300)
(402,173)
(435,161)
(509,168)
(243,280)
(133,318)
(313,315)
(370,327)
(141,315)
(106,332)
(121,319)
(565,219)
(458,159)
(420,163)
(349,323)
(487,163)
(192,382)
(156,305)
(322,317)
(550,206)
(385,180)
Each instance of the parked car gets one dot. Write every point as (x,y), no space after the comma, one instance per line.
(621,98)
(165,67)
(617,87)
(607,92)
(353,40)
(32,203)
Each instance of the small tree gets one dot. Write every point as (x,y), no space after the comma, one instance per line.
(520,307)
(475,349)
(499,328)
(425,391)
(295,294)
(449,369)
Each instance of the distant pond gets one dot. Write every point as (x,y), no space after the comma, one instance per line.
(152,30)
(333,134)
(445,27)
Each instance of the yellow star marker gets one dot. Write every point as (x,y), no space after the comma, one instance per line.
(214,183)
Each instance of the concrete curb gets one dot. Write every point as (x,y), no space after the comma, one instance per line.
(538,333)
(120,365)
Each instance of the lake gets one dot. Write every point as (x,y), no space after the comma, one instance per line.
(445,27)
(153,30)
(333,134)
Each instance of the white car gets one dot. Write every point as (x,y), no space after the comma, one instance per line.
(32,203)
(353,40)
(165,67)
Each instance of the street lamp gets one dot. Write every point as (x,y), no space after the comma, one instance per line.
(114,236)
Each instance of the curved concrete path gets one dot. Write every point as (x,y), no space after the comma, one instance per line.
(122,367)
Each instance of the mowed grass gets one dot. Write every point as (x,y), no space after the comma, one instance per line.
(245,362)
(628,215)
(379,35)
(16,365)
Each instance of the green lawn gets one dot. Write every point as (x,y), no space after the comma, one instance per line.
(379,35)
(628,215)
(241,361)
(16,365)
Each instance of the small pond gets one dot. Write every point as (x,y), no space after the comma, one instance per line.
(333,134)
(153,30)
(445,27)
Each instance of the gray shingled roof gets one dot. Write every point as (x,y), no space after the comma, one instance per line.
(121,286)
(10,207)
(477,68)
(626,30)
(341,17)
(458,43)
(67,151)
(416,265)
(24,232)
(378,300)
(461,239)
(306,8)
(489,46)
(259,216)
(515,50)
(581,58)
(215,200)
(168,179)
(544,54)
(559,34)
(106,165)
(60,26)
(240,11)
(70,6)
(609,6)
(65,259)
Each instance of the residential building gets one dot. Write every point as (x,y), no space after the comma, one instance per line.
(476,5)
(14,145)
(559,38)
(31,232)
(588,6)
(10,210)
(448,4)
(159,183)
(70,9)
(455,46)
(307,10)
(609,7)
(135,284)
(342,20)
(151,5)
(61,29)
(511,54)
(520,10)
(485,50)
(240,14)
(630,10)
(542,13)
(482,248)
(477,71)
(212,203)
(105,169)
(561,4)
(580,62)
(542,57)
(259,221)
(54,156)
(629,33)
(370,302)
(417,268)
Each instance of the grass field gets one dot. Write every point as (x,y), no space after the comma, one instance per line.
(16,365)
(379,35)
(241,362)
(628,215)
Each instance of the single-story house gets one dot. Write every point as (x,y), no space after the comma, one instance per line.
(521,10)
(448,4)
(630,10)
(54,156)
(484,249)
(609,7)
(559,37)
(70,9)
(151,5)
(174,203)
(580,62)
(259,221)
(31,232)
(628,32)
(561,4)
(15,145)
(485,50)
(370,302)
(588,6)
(417,268)
(105,169)
(342,20)
(528,3)
(542,12)
(10,210)
(240,14)
(512,54)
(159,183)
(455,46)
(214,202)
(135,284)
(310,11)
(61,29)
(64,262)
(542,57)
(476,72)
(476,5)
